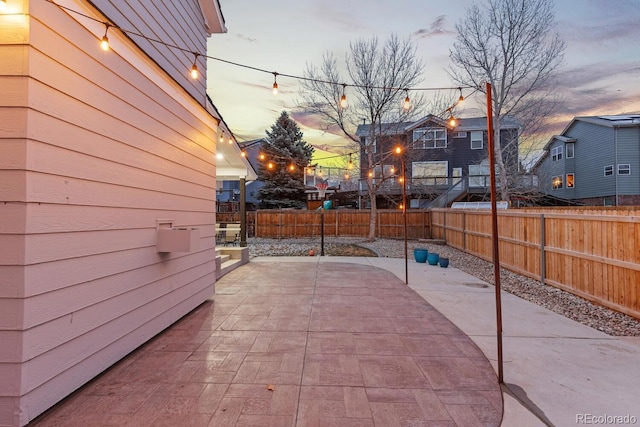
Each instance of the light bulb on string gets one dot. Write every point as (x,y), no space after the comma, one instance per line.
(194,68)
(104,42)
(406,105)
(292,167)
(222,137)
(452,120)
(275,83)
(346,175)
(461,98)
(270,165)
(343,98)
(262,156)
(350,164)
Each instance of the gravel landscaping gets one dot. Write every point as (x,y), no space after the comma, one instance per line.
(559,301)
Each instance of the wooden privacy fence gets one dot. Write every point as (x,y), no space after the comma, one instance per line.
(282,224)
(593,254)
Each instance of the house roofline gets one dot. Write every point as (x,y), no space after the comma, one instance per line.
(213,18)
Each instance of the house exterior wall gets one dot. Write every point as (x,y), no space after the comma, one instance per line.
(177,22)
(458,152)
(595,147)
(627,140)
(96,148)
(593,151)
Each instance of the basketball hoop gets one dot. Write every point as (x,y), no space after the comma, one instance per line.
(321,186)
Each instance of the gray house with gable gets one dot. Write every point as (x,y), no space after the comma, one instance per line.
(440,157)
(595,161)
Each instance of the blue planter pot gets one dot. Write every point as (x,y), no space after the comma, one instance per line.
(420,254)
(432,258)
(444,262)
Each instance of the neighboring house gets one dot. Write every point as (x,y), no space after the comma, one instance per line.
(438,156)
(595,161)
(100,150)
(228,192)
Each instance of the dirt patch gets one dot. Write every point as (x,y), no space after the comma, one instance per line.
(348,250)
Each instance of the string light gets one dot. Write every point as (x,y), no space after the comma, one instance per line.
(350,164)
(275,83)
(343,98)
(461,98)
(151,39)
(194,68)
(406,105)
(222,137)
(452,120)
(104,42)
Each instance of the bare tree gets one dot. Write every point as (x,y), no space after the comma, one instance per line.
(513,45)
(379,75)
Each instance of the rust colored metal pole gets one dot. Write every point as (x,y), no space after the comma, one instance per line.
(494,226)
(404,218)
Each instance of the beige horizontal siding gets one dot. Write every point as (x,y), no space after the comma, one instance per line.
(97,148)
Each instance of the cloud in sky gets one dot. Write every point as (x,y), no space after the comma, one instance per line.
(437,28)
(246,38)
(599,77)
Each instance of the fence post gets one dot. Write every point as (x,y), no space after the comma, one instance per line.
(444,226)
(464,231)
(543,263)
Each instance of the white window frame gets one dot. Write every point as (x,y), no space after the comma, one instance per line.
(557,182)
(572,180)
(572,151)
(460,134)
(556,153)
(429,138)
(477,136)
(608,170)
(624,169)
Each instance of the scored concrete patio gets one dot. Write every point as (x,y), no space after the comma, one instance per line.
(298,344)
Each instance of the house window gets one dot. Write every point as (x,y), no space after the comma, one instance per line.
(460,135)
(556,153)
(570,181)
(374,146)
(476,140)
(479,176)
(430,173)
(624,169)
(430,138)
(569,147)
(608,170)
(556,182)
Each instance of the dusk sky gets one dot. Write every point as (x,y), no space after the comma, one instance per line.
(601,73)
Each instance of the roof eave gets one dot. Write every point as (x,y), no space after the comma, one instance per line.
(213,18)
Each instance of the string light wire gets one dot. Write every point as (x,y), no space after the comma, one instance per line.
(249,67)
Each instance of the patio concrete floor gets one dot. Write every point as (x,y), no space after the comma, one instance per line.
(298,344)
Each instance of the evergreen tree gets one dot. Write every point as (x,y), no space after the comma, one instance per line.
(282,170)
